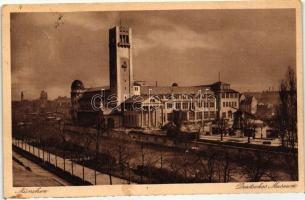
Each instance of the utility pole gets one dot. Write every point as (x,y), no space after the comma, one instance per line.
(149,90)
(100,126)
(161,161)
(142,166)
(83,169)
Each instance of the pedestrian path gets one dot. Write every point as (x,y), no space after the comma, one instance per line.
(70,166)
(29,174)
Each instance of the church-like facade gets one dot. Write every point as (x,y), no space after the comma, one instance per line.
(133,104)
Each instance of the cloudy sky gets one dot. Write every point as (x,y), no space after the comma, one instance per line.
(250,48)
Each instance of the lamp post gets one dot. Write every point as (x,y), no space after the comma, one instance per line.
(200,103)
(149,90)
(185,164)
(100,126)
(206,102)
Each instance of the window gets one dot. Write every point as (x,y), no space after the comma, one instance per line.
(223,95)
(185,105)
(191,115)
(231,95)
(212,104)
(224,115)
(192,106)
(184,116)
(227,104)
(136,88)
(223,104)
(227,95)
(230,114)
(199,115)
(169,116)
(178,105)
(206,115)
(199,104)
(212,114)
(169,105)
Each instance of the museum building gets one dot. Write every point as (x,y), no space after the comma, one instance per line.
(133,104)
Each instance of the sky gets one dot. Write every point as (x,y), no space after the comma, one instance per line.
(251,49)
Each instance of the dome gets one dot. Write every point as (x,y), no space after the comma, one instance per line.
(77,85)
(175,85)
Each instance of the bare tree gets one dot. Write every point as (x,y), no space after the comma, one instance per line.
(248,127)
(222,127)
(100,124)
(287,119)
(256,165)
(224,166)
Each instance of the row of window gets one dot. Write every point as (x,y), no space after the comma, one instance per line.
(229,104)
(194,116)
(224,115)
(229,95)
(188,105)
(131,120)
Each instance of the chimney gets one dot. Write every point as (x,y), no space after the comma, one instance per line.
(21,98)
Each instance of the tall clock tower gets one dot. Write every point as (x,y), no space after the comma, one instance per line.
(120,62)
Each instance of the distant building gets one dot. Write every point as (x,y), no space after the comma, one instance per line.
(248,104)
(62,106)
(43,101)
(267,102)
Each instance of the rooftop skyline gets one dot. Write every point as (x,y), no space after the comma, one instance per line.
(250,48)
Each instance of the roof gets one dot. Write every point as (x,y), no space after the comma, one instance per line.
(228,91)
(140,99)
(163,90)
(266,97)
(220,83)
(96,89)
(248,99)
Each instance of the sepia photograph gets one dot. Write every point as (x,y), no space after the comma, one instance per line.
(193,96)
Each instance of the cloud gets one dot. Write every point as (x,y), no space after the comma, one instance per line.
(169,46)
(178,39)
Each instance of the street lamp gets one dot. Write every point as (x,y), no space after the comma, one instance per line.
(206,103)
(149,90)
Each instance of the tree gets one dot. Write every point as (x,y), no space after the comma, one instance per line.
(248,127)
(224,167)
(100,123)
(288,107)
(222,126)
(287,119)
(256,165)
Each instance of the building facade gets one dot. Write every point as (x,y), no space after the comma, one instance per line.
(248,104)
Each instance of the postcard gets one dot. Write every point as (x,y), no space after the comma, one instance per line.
(152,98)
